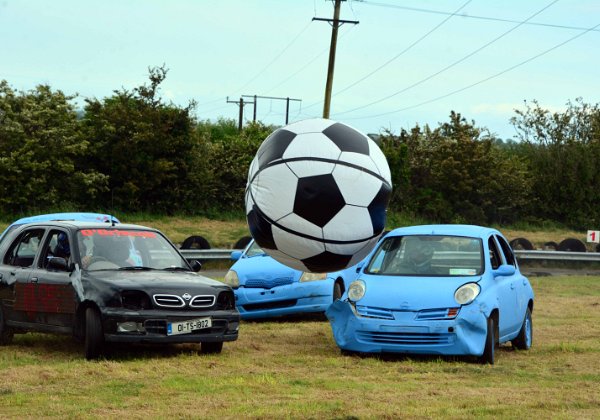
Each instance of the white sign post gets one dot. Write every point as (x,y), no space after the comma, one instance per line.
(593,236)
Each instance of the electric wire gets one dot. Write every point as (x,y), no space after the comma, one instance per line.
(489,18)
(448,67)
(593,28)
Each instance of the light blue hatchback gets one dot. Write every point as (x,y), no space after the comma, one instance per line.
(435,289)
(265,288)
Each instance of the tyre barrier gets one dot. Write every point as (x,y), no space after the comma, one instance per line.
(572,245)
(195,242)
(597,247)
(521,243)
(551,246)
(242,242)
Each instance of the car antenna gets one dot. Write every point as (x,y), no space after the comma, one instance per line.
(112,208)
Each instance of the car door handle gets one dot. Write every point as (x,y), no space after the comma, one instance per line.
(34,279)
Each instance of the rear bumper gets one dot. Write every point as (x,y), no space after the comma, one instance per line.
(463,335)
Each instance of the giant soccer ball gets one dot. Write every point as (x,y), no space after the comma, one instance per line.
(317,194)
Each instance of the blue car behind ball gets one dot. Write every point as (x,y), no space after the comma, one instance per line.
(437,289)
(265,288)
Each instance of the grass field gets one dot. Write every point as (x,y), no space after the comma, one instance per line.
(293,369)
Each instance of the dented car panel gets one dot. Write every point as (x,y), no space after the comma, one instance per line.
(120,283)
(265,288)
(436,289)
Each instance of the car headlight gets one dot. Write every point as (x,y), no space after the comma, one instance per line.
(313,276)
(231,279)
(357,290)
(466,293)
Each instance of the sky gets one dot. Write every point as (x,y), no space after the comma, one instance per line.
(406,62)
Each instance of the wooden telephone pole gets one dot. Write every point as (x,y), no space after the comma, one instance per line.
(335,24)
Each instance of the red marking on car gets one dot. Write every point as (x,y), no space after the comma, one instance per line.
(118,232)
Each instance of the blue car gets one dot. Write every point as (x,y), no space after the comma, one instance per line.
(265,288)
(74,216)
(437,289)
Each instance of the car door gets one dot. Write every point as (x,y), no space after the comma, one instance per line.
(18,293)
(505,291)
(55,299)
(519,283)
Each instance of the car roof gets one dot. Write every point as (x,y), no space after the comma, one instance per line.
(449,229)
(76,224)
(81,216)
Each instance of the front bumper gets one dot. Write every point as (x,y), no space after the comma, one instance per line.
(225,326)
(463,335)
(295,298)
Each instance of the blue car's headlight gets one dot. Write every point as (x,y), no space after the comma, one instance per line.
(357,290)
(466,293)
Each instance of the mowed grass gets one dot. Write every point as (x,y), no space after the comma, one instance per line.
(294,369)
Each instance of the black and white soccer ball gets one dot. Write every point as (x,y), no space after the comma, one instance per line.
(317,194)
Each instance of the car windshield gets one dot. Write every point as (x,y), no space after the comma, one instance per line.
(428,255)
(254,250)
(106,249)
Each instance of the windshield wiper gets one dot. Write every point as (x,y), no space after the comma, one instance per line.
(176,269)
(136,268)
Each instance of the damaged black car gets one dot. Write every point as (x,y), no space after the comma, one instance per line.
(109,283)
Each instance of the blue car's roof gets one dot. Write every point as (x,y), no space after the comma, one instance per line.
(75,216)
(455,230)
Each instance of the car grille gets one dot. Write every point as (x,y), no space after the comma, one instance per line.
(202,301)
(175,301)
(405,338)
(270,305)
(268,283)
(372,312)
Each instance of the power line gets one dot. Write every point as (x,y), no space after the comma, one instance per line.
(489,18)
(472,53)
(592,29)
(403,51)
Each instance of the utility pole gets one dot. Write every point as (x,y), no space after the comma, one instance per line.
(287,104)
(335,24)
(241,104)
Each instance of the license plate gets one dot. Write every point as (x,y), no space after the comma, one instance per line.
(186,327)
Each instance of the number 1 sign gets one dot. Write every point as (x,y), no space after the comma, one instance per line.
(593,236)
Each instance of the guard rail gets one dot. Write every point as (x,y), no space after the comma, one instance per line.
(522,255)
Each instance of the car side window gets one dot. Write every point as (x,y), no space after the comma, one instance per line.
(509,256)
(56,245)
(23,250)
(495,258)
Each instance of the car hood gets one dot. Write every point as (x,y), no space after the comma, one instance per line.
(264,268)
(155,280)
(411,293)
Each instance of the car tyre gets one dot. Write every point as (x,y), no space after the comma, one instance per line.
(211,347)
(6,334)
(489,350)
(94,336)
(525,337)
(337,291)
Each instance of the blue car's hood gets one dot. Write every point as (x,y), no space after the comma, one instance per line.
(264,268)
(411,293)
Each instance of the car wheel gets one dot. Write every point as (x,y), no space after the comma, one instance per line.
(94,336)
(525,338)
(211,347)
(489,350)
(337,291)
(6,333)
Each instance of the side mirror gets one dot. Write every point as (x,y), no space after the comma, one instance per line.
(359,267)
(504,270)
(57,263)
(236,255)
(196,265)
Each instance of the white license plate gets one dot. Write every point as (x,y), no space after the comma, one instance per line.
(186,327)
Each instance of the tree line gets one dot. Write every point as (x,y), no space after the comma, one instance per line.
(132,152)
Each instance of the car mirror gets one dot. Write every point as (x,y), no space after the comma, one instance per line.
(236,255)
(359,267)
(504,270)
(57,263)
(196,265)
